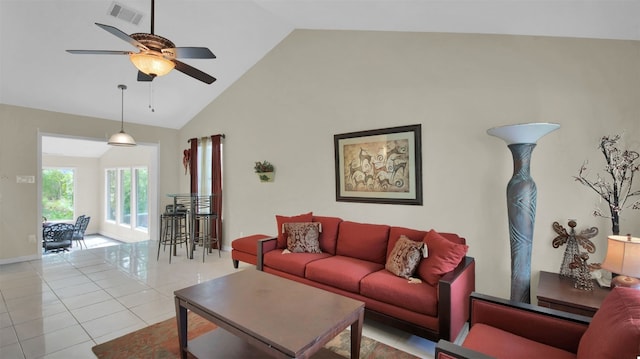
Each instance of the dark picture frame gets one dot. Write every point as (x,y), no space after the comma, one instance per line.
(379,166)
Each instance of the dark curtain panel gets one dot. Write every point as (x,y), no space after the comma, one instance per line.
(216,179)
(216,184)
(193,164)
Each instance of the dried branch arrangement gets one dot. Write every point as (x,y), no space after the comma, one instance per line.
(616,186)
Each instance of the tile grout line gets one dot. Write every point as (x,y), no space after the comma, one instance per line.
(65,306)
(112,266)
(13,326)
(69,310)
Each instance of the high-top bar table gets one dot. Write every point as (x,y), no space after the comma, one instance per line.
(194,204)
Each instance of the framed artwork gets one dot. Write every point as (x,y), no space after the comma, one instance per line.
(379,166)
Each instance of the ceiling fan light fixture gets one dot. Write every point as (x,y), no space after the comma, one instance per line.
(151,64)
(121,138)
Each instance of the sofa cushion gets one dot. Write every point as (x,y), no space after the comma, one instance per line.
(404,257)
(341,272)
(443,257)
(280,220)
(329,233)
(248,244)
(501,344)
(363,241)
(388,288)
(614,331)
(292,263)
(302,237)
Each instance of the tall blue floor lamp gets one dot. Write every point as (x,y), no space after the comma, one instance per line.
(521,200)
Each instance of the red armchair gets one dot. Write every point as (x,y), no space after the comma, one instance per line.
(504,329)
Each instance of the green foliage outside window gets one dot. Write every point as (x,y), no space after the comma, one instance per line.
(57,194)
(125,198)
(142,197)
(112,188)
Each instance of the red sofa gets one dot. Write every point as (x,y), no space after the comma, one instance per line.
(352,263)
(500,328)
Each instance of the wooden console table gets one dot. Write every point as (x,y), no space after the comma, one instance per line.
(557,292)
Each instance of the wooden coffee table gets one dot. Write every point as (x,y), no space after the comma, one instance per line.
(259,313)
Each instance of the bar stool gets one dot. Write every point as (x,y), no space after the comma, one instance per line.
(204,221)
(204,218)
(173,230)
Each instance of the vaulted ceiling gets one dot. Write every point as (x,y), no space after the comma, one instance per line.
(37,72)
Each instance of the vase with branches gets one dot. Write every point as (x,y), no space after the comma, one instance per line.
(616,187)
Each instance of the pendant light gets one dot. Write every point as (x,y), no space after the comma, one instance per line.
(121,138)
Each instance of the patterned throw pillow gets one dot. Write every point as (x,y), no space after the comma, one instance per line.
(404,257)
(281,220)
(303,237)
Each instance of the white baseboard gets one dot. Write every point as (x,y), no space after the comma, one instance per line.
(20,259)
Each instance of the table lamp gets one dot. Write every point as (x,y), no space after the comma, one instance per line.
(623,258)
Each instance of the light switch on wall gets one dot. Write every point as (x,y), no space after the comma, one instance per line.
(25,179)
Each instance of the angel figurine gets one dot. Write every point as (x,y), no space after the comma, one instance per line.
(573,240)
(583,280)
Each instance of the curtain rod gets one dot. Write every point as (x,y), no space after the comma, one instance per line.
(221,135)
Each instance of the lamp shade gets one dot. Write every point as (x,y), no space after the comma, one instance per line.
(623,256)
(523,133)
(121,139)
(151,64)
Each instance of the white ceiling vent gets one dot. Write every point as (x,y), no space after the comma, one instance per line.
(123,13)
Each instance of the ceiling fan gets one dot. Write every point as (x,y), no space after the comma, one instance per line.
(157,55)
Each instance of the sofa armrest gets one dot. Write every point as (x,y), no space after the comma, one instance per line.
(264,246)
(454,289)
(549,326)
(448,350)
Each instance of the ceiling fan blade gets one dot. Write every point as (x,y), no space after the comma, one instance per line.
(144,77)
(189,53)
(99,52)
(193,72)
(123,36)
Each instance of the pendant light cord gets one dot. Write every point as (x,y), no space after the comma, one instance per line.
(122,87)
(122,110)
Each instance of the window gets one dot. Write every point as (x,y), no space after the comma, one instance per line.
(58,194)
(112,195)
(127,197)
(142,202)
(204,165)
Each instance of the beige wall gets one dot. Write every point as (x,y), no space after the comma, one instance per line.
(19,154)
(319,83)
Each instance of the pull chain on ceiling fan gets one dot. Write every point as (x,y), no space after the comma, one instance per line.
(157,55)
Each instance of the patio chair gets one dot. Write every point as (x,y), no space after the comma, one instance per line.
(57,237)
(78,231)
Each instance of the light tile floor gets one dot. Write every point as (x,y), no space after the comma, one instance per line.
(65,303)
